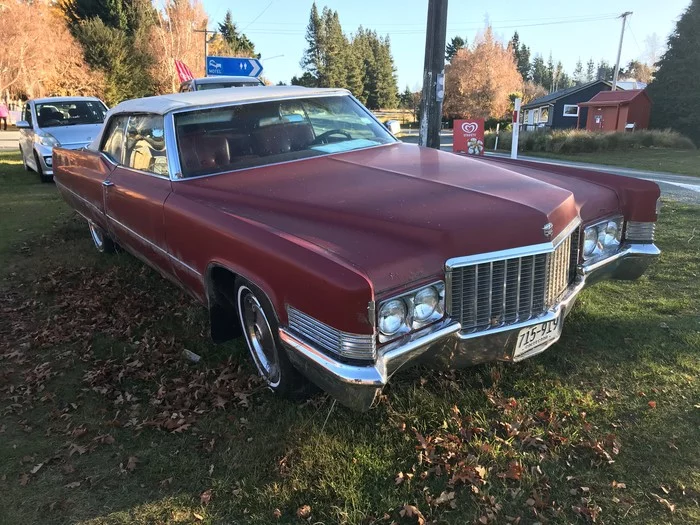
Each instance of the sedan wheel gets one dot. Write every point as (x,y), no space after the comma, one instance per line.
(260,330)
(102,241)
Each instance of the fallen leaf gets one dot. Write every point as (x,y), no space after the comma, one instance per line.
(411,511)
(277,514)
(72,485)
(205,497)
(131,463)
(36,468)
(166,482)
(304,512)
(670,506)
(652,404)
(198,517)
(443,498)
(24,479)
(617,485)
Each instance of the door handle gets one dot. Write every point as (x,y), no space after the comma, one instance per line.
(107,183)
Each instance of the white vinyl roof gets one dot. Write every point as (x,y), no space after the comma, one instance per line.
(166,103)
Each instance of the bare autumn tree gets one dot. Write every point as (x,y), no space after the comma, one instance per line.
(480,78)
(173,38)
(36,62)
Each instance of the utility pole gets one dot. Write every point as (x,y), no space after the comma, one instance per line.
(433,75)
(619,49)
(206,45)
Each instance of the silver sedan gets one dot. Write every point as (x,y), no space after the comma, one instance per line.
(69,122)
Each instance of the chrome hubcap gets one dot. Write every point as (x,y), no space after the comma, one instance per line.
(259,336)
(97,236)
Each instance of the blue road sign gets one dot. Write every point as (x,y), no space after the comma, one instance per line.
(234,66)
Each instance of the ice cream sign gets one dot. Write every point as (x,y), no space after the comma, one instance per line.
(468,136)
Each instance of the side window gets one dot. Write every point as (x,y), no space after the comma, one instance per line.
(28,114)
(145,144)
(114,142)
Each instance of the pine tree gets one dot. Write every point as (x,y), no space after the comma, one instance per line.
(453,46)
(590,71)
(238,43)
(605,71)
(578,72)
(312,60)
(522,56)
(549,80)
(674,90)
(539,71)
(335,50)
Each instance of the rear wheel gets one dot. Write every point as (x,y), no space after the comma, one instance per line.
(260,330)
(40,171)
(102,241)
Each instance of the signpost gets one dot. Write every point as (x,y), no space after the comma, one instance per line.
(233,66)
(468,136)
(516,129)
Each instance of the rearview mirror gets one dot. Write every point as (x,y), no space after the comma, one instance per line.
(22,124)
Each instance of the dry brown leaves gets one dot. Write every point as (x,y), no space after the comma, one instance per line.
(66,308)
(514,444)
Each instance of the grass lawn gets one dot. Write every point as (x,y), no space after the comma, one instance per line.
(683,162)
(104,422)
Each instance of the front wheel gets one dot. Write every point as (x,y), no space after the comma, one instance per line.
(260,330)
(40,171)
(102,241)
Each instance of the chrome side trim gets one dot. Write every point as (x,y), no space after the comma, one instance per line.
(155,246)
(345,344)
(512,253)
(640,231)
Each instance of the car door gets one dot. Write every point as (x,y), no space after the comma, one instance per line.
(26,136)
(136,190)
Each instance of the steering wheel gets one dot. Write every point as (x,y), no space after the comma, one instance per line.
(323,137)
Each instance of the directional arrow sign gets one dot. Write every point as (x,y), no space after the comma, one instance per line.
(233,66)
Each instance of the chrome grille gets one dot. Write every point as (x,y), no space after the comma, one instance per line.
(507,291)
(345,344)
(640,231)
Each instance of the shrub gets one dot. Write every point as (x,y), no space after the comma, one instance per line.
(581,141)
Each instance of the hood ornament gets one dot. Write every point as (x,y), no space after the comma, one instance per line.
(548,230)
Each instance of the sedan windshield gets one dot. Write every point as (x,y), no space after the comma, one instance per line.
(219,85)
(70,113)
(262,133)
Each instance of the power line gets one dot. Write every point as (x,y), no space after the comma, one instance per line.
(256,18)
(452,28)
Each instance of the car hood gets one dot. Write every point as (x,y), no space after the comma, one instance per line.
(76,135)
(397,212)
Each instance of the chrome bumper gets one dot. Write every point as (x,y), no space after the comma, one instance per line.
(442,345)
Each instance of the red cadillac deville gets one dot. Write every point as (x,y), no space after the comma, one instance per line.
(340,253)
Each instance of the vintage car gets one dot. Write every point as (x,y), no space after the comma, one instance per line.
(340,253)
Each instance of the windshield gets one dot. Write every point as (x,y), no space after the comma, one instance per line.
(70,113)
(262,133)
(219,85)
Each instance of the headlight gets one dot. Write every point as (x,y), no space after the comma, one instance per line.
(46,139)
(602,239)
(392,316)
(425,303)
(411,311)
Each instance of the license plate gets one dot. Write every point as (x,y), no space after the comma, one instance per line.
(537,337)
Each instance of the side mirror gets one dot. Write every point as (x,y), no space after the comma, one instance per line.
(22,124)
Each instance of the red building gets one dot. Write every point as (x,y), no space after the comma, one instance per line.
(618,110)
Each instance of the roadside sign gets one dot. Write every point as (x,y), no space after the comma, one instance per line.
(468,136)
(233,66)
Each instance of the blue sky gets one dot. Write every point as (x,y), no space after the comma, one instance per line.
(277,27)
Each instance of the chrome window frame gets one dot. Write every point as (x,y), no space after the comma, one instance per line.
(175,168)
(121,163)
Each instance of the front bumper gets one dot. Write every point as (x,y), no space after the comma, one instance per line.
(442,345)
